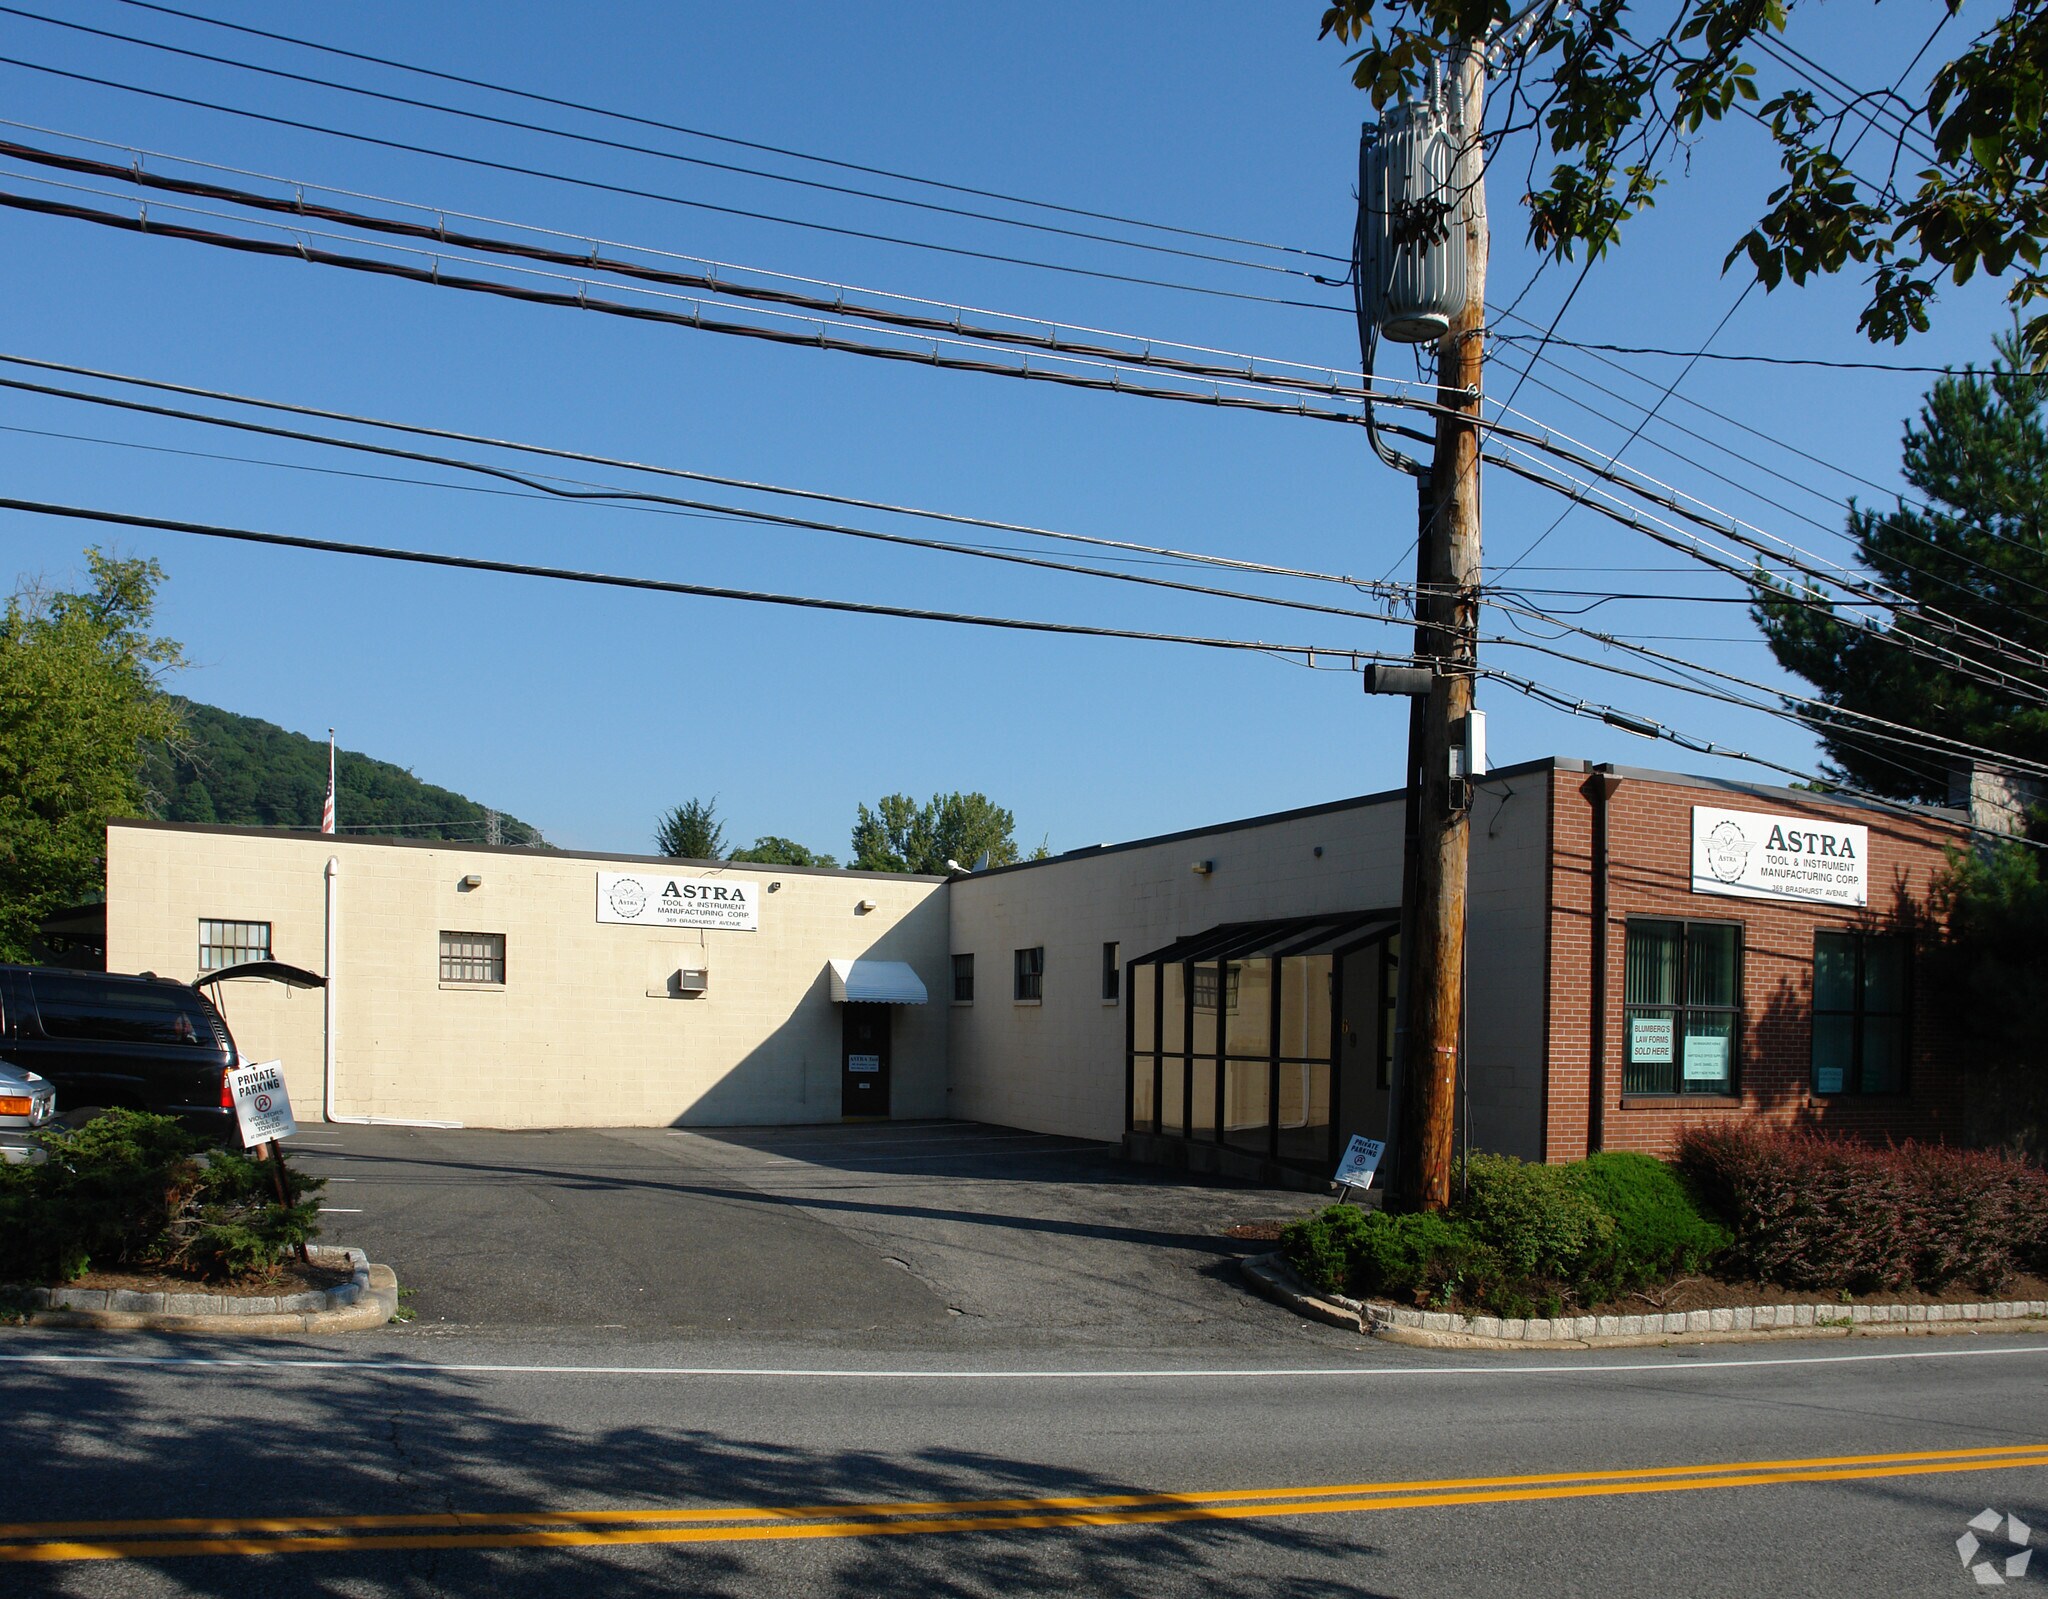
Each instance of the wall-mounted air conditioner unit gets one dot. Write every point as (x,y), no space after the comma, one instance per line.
(693,980)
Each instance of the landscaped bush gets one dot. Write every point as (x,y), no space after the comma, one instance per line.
(1661,1229)
(1813,1211)
(130,1190)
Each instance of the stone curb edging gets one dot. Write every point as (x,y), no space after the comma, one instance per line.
(1452,1330)
(368,1300)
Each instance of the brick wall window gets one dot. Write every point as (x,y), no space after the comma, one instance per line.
(1030,973)
(963,979)
(1112,972)
(231,943)
(473,958)
(1682,1007)
(1859,1013)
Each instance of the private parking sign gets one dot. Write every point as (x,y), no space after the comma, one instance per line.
(263,1107)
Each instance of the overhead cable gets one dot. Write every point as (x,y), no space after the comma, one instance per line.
(631,192)
(628,148)
(729,139)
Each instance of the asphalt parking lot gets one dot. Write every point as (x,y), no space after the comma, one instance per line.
(898,1235)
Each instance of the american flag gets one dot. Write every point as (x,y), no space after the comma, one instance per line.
(327,810)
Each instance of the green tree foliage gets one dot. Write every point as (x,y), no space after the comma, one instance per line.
(691,832)
(899,835)
(771,850)
(80,698)
(242,772)
(1613,98)
(1987,970)
(1978,552)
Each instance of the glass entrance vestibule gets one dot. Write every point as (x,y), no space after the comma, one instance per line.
(1267,1039)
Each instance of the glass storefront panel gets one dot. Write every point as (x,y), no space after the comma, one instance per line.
(1173,1020)
(1141,1093)
(1304,1114)
(1248,1022)
(1247,1106)
(1202,1099)
(1144,984)
(1316,998)
(1173,1101)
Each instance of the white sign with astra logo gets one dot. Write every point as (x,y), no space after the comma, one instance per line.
(1751,856)
(654,899)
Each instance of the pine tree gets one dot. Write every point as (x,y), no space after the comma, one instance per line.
(1976,551)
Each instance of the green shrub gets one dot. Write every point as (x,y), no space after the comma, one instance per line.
(1321,1247)
(135,1190)
(1537,1219)
(1661,1228)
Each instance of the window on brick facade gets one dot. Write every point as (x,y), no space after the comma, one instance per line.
(1682,1007)
(1859,1013)
(224,944)
(477,958)
(1029,973)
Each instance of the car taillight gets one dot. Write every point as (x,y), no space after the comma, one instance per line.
(16,1105)
(227,1093)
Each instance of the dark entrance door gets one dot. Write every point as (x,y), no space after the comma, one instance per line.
(864,1061)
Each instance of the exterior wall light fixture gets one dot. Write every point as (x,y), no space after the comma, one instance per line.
(472,881)
(1202,868)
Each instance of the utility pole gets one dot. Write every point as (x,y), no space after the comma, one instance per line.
(1448,568)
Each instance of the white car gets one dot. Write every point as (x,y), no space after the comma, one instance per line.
(27,1104)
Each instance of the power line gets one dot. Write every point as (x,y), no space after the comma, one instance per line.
(729,139)
(1760,360)
(1309,652)
(660,154)
(591,259)
(631,192)
(585,458)
(818,338)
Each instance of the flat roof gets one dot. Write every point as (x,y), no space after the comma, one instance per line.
(315,836)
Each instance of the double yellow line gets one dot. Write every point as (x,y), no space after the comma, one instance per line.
(579,1529)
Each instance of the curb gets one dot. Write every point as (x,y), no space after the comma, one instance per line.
(1436,1329)
(369,1300)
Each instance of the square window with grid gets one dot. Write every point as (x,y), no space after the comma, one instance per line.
(473,958)
(224,944)
(1030,973)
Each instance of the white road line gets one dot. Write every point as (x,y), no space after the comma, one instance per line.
(420,1368)
(338,1210)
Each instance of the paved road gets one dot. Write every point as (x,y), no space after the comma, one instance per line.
(888,1447)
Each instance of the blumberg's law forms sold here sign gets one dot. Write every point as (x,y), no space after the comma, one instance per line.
(1747,855)
(262,1106)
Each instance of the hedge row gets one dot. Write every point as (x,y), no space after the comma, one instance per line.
(130,1190)
(1815,1212)
(1801,1210)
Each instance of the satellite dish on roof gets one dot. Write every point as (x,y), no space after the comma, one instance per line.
(980,862)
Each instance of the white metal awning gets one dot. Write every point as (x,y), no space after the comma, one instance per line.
(876,983)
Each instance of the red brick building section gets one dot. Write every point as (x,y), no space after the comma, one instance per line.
(1646,820)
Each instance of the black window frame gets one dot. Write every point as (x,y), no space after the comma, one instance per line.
(1683,1010)
(963,979)
(1027,971)
(1112,972)
(1852,1076)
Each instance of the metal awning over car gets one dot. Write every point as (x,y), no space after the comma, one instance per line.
(274,971)
(876,983)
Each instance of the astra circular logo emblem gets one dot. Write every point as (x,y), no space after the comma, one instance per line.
(1727,852)
(1994,1568)
(628,896)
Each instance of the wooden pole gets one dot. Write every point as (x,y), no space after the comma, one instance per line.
(1435,954)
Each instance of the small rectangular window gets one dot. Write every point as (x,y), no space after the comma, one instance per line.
(1682,1007)
(1859,1014)
(223,944)
(1030,972)
(963,979)
(1209,980)
(1112,972)
(473,958)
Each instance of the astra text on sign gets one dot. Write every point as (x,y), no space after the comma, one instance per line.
(262,1107)
(655,899)
(1749,855)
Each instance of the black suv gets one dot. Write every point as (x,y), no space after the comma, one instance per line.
(139,1043)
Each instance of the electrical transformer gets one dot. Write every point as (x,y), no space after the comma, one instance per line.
(1413,203)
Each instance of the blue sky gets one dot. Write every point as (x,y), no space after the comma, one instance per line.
(587,712)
